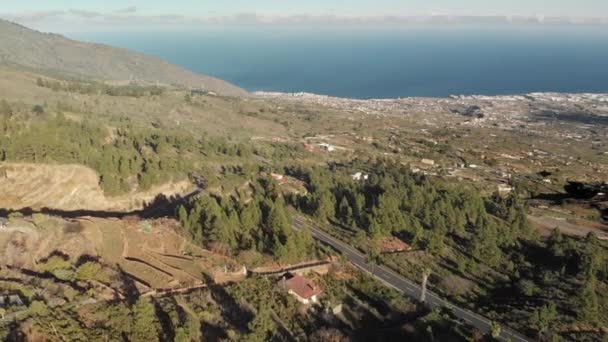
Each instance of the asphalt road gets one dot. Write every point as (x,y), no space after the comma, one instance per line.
(405,286)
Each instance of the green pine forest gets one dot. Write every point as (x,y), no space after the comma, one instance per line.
(536,285)
(126,156)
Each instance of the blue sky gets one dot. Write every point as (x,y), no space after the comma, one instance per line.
(61,15)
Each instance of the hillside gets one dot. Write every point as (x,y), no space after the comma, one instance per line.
(69,187)
(470,188)
(55,54)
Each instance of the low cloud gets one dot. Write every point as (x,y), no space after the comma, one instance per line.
(33,16)
(85,14)
(127,10)
(168,17)
(127,18)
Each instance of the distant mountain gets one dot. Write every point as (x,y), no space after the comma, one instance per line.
(55,54)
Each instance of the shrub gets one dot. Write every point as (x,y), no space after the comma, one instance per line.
(89,271)
(64,274)
(55,263)
(38,109)
(527,287)
(38,308)
(5,108)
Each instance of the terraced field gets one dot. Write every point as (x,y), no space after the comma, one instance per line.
(151,253)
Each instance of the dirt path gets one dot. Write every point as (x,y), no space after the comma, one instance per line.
(25,230)
(549,222)
(173,291)
(125,244)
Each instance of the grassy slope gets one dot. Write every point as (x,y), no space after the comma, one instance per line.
(59,55)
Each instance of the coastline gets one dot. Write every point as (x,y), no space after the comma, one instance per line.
(555,96)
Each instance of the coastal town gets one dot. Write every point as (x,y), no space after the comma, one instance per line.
(142,201)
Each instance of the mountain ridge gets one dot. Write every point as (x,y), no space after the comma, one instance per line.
(56,54)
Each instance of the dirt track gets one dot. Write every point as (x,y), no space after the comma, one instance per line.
(566,227)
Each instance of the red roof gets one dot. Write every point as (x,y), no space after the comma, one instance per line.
(302,287)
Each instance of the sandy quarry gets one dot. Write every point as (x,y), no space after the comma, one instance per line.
(68,187)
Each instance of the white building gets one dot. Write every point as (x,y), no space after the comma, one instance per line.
(277,176)
(302,289)
(359,176)
(505,188)
(327,147)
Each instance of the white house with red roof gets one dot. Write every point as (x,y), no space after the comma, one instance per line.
(302,289)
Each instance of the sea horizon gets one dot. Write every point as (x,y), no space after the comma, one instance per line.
(387,63)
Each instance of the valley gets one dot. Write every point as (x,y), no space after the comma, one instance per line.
(145,210)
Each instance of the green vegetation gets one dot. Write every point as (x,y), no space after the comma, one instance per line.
(61,268)
(262,224)
(370,310)
(90,88)
(482,252)
(124,157)
(111,321)
(257,309)
(487,242)
(397,202)
(146,326)
(91,271)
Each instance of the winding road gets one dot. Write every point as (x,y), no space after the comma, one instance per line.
(401,284)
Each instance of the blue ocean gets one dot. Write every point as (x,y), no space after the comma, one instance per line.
(388,62)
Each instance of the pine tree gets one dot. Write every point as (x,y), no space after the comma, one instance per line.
(345,212)
(374,230)
(359,209)
(182,214)
(262,326)
(250,218)
(324,205)
(556,243)
(417,231)
(591,258)
(181,335)
(485,242)
(217,226)
(146,326)
(544,318)
(588,305)
(435,241)
(388,215)
(278,218)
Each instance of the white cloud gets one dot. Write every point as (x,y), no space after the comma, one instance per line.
(32,16)
(127,18)
(85,14)
(127,10)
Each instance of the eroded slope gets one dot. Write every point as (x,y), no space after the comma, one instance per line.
(69,187)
